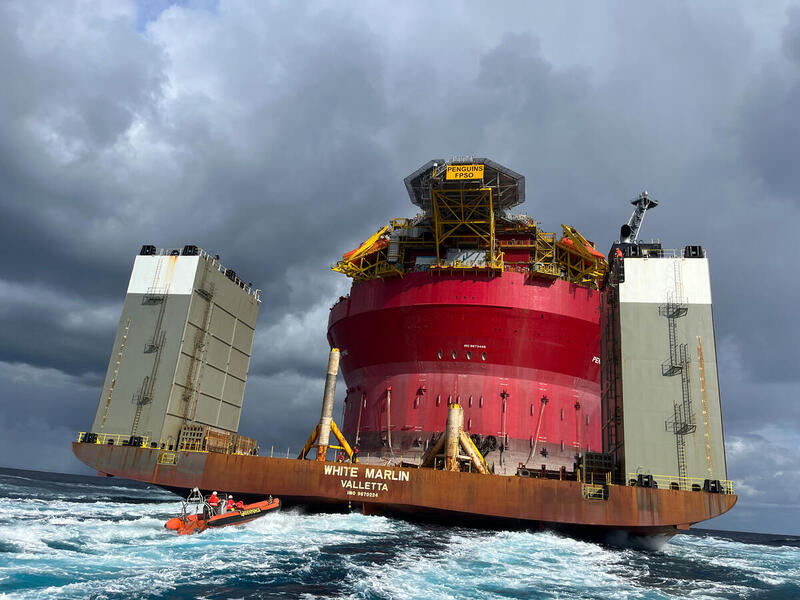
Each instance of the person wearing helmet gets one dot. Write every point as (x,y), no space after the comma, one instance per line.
(229,504)
(213,501)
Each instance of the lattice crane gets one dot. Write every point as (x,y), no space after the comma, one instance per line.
(630,231)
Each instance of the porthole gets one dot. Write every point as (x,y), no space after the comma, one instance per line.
(453,354)
(483,355)
(439,354)
(469,355)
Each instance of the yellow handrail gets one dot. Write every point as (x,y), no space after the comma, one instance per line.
(683,483)
(115,439)
(167,458)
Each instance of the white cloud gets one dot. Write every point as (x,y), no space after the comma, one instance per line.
(29,375)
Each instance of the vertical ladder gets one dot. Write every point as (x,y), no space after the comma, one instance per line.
(140,399)
(680,442)
(157,337)
(198,362)
(136,418)
(672,333)
(154,293)
(116,371)
(682,421)
(677,274)
(160,296)
(687,416)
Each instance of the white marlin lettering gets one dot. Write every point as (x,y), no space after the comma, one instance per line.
(353,472)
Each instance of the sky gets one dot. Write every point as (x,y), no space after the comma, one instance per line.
(277,134)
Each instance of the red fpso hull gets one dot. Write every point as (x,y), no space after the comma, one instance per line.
(496,345)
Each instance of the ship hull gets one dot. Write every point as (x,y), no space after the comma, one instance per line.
(453,497)
(496,345)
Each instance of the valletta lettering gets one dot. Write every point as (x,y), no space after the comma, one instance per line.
(365,485)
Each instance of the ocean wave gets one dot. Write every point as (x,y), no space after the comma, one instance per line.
(86,544)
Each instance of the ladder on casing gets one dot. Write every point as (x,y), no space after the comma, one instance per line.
(682,421)
(198,361)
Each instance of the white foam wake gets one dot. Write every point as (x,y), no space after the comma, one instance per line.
(105,549)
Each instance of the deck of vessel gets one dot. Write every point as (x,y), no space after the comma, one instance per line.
(456,497)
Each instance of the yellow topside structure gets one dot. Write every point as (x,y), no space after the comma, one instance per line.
(465,226)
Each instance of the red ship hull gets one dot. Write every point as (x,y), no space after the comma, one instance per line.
(496,345)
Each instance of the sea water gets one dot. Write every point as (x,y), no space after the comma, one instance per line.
(65,536)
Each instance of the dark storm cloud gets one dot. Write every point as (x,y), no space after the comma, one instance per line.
(770,129)
(42,411)
(791,35)
(256,165)
(278,136)
(667,113)
(55,330)
(767,132)
(73,88)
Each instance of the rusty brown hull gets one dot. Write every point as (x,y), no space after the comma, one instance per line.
(459,498)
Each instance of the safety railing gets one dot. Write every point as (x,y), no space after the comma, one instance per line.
(123,439)
(686,484)
(167,458)
(593,478)
(520,243)
(666,253)
(594,485)
(191,446)
(214,260)
(594,492)
(113,439)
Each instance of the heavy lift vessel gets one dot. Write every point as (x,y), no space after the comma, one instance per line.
(496,373)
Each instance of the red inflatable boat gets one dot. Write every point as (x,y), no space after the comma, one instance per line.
(200,521)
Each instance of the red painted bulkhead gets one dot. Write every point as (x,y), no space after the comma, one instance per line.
(496,345)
